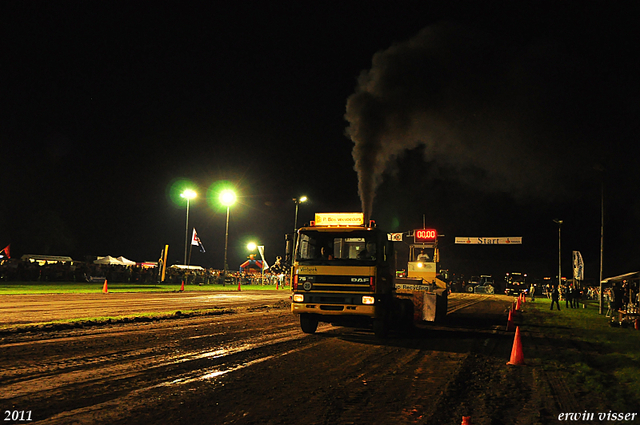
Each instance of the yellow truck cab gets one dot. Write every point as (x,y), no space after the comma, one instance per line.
(342,273)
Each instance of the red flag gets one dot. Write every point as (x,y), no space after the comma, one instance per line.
(6,251)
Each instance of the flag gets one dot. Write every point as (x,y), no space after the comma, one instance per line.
(578,266)
(261,251)
(395,237)
(6,251)
(195,240)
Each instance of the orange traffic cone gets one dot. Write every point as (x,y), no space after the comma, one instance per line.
(466,420)
(518,304)
(182,286)
(239,283)
(104,288)
(524,297)
(517,358)
(510,324)
(277,284)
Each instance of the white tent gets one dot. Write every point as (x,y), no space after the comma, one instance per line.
(181,267)
(126,261)
(107,260)
(626,276)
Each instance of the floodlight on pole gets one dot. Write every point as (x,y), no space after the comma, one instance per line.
(227,198)
(252,246)
(188,194)
(298,201)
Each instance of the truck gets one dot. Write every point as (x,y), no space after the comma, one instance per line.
(343,272)
(515,283)
(483,284)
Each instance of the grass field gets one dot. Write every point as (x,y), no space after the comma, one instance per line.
(600,363)
(24,288)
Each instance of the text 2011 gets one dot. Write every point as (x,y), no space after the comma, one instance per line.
(17,415)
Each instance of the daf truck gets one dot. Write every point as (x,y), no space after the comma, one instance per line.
(343,272)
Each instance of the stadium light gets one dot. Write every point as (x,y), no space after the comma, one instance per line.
(188,194)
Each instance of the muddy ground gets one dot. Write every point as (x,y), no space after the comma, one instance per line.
(252,365)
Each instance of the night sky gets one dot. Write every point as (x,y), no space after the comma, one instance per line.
(485,118)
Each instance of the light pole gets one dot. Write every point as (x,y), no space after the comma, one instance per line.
(297,201)
(188,194)
(559,223)
(251,246)
(227,198)
(600,168)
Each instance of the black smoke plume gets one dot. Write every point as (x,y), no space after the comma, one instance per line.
(494,109)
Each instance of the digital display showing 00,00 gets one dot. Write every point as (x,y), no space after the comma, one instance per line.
(423,235)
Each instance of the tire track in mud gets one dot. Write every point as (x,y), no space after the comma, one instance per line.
(258,362)
(63,384)
(98,340)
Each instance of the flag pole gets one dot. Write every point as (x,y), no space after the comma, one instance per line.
(164,262)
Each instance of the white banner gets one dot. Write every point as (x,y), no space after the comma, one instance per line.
(578,266)
(476,240)
(395,237)
(261,251)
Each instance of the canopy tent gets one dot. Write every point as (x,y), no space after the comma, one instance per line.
(182,267)
(251,265)
(126,261)
(626,276)
(41,259)
(109,260)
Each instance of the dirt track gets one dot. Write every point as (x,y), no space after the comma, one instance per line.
(32,309)
(255,366)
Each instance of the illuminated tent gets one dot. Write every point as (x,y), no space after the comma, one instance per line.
(42,259)
(108,260)
(182,267)
(126,261)
(251,266)
(626,276)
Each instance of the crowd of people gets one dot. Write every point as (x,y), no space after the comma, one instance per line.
(17,270)
(622,296)
(572,295)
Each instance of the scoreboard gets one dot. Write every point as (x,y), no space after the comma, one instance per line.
(425,235)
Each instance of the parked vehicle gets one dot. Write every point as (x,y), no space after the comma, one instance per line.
(516,283)
(484,285)
(472,283)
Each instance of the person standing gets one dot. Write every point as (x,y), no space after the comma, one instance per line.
(532,291)
(577,295)
(568,296)
(555,296)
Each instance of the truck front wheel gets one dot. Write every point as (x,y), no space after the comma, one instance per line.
(470,289)
(308,323)
(381,327)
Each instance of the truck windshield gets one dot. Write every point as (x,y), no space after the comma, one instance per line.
(316,247)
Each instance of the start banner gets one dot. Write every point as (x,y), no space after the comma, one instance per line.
(479,240)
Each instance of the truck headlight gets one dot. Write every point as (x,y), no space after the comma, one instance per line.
(366,299)
(298,298)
